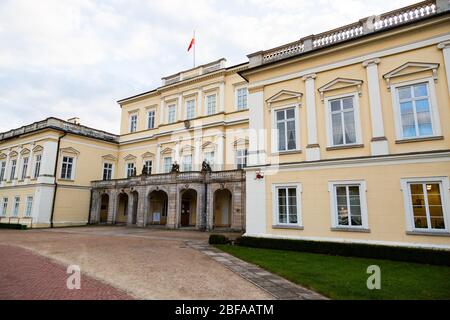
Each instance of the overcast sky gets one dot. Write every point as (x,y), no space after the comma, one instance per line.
(67,58)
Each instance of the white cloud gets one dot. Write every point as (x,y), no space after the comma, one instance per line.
(77,57)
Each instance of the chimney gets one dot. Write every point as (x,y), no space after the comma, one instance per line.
(74,120)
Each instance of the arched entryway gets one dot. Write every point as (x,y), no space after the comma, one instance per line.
(222,209)
(134,208)
(157,209)
(188,208)
(104,208)
(122,208)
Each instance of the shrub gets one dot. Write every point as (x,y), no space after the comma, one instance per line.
(16,226)
(218,239)
(429,256)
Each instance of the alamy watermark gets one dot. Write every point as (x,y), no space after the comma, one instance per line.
(74,280)
(374,280)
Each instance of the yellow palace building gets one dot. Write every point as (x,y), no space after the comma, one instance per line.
(341,136)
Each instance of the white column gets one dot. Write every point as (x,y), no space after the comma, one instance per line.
(30,161)
(220,163)
(8,166)
(42,204)
(158,158)
(445,47)
(48,162)
(256,131)
(180,107)
(161,112)
(18,173)
(200,110)
(313,148)
(177,152)
(379,144)
(197,154)
(222,97)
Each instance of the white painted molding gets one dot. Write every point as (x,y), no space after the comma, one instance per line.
(415,67)
(445,47)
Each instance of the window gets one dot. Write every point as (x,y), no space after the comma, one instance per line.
(167,164)
(13,169)
(342,119)
(130,169)
(133,123)
(426,204)
(107,171)
(415,110)
(67,168)
(29,206)
(16,206)
(151,119)
(24,168)
(37,166)
(187,163)
(241,158)
(285,123)
(241,98)
(171,113)
(209,158)
(349,205)
(2,170)
(148,166)
(211,104)
(190,109)
(287,205)
(4,206)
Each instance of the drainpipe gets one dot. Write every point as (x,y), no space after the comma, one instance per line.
(90,204)
(56,183)
(205,212)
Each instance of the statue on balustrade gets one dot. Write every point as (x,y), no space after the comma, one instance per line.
(134,172)
(175,168)
(206,167)
(145,171)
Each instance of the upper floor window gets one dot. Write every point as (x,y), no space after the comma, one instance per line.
(426,203)
(107,171)
(24,168)
(2,170)
(4,206)
(130,169)
(190,109)
(29,206)
(133,123)
(148,164)
(211,104)
(167,164)
(16,206)
(187,162)
(37,166)
(286,131)
(67,168)
(151,119)
(171,116)
(241,98)
(13,169)
(209,158)
(415,108)
(241,158)
(342,121)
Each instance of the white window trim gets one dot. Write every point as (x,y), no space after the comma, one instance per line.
(434,109)
(183,163)
(5,167)
(154,118)
(362,199)
(245,157)
(151,160)
(22,167)
(15,214)
(445,190)
(357,118)
(4,214)
(33,168)
(236,89)
(185,108)
(275,214)
(74,167)
(168,113)
(130,115)
(112,168)
(274,136)
(126,167)
(164,163)
(26,213)
(206,104)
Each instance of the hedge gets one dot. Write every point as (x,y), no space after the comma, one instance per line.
(429,256)
(16,226)
(218,239)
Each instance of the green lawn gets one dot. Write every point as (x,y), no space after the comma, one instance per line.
(345,277)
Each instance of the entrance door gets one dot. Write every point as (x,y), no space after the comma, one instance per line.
(185,212)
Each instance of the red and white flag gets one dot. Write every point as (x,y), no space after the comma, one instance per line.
(191,44)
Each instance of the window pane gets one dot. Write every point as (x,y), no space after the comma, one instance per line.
(290,114)
(336,122)
(335,105)
(421,90)
(281,136)
(422,105)
(349,122)
(280,115)
(404,93)
(342,209)
(291,135)
(347,103)
(420,217)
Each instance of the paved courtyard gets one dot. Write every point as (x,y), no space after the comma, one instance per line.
(131,263)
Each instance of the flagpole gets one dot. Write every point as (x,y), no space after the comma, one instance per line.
(195,44)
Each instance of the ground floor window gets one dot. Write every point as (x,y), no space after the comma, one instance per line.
(287,204)
(29,206)
(348,204)
(16,206)
(4,206)
(426,204)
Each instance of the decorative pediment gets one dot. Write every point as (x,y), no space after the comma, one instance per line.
(70,150)
(208,145)
(167,151)
(147,155)
(411,68)
(3,156)
(24,151)
(240,142)
(284,95)
(13,154)
(129,157)
(38,148)
(109,157)
(187,149)
(340,83)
